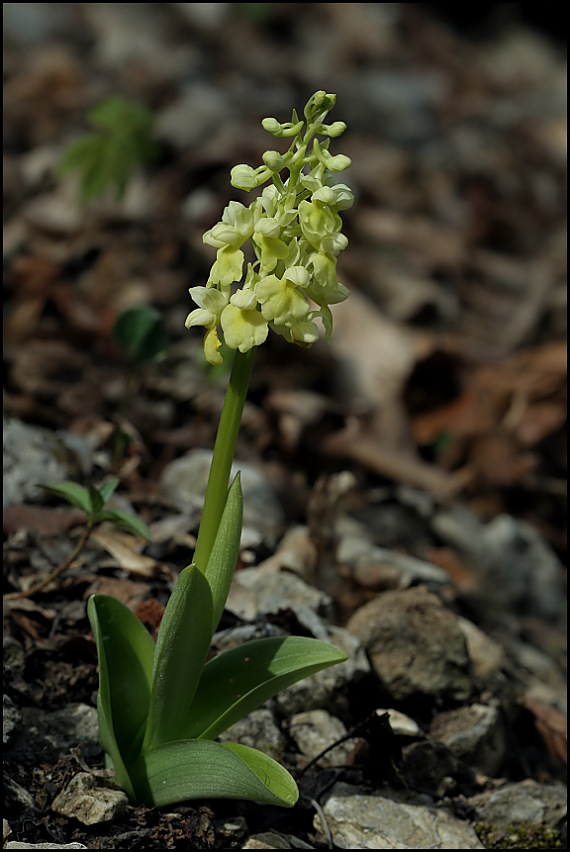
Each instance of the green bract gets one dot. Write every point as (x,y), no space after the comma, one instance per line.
(161,706)
(294,224)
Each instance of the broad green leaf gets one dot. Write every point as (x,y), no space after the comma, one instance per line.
(201,769)
(73,493)
(223,558)
(125,650)
(239,680)
(127,522)
(271,773)
(181,650)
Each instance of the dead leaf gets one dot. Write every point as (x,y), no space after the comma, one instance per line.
(368,451)
(496,459)
(552,726)
(43,520)
(122,547)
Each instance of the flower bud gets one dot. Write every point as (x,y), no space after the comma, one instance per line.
(272,126)
(333,130)
(274,160)
(319,103)
(338,163)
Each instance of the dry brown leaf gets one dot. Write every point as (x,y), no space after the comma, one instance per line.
(122,546)
(495,459)
(552,726)
(44,520)
(368,451)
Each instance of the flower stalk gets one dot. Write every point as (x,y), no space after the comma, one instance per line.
(222,459)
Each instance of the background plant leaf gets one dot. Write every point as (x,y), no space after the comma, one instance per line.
(75,494)
(108,488)
(125,521)
(140,334)
(106,158)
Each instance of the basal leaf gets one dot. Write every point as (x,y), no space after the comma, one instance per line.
(223,558)
(125,650)
(73,493)
(201,769)
(181,649)
(239,680)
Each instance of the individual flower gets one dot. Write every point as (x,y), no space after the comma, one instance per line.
(211,304)
(326,289)
(280,299)
(321,226)
(243,325)
(303,333)
(235,227)
(227,268)
(266,237)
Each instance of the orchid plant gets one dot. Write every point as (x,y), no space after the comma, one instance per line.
(161,706)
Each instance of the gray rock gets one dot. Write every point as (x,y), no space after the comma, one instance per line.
(258,730)
(198,114)
(185,479)
(91,800)
(316,730)
(360,819)
(475,734)
(487,656)
(11,718)
(275,840)
(223,640)
(52,734)
(518,570)
(273,591)
(14,657)
(525,572)
(32,455)
(435,769)
(402,725)
(522,802)
(415,645)
(18,844)
(379,566)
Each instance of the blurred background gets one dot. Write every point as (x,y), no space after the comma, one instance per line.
(447,368)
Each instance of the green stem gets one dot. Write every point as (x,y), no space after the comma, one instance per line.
(224,450)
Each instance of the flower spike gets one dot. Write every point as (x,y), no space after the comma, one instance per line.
(294,229)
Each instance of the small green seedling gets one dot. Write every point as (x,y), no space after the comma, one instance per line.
(162,706)
(121,142)
(92,502)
